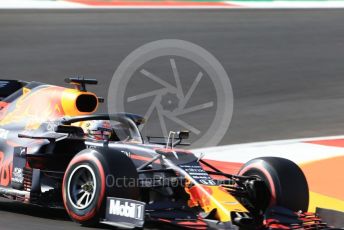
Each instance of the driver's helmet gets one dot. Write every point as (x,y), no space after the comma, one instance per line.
(98,130)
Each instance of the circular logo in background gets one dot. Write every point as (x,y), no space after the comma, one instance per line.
(175,85)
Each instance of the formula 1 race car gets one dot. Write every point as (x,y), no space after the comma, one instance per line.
(55,152)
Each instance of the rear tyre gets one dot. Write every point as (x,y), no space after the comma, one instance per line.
(89,179)
(285,180)
(82,191)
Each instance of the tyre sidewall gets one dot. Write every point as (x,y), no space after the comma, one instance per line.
(285,180)
(90,214)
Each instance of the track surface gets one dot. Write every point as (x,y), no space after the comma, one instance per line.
(286,67)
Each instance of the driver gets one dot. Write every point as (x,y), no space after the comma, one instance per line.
(98,130)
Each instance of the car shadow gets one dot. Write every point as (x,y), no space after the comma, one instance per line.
(59,214)
(33,210)
(39,212)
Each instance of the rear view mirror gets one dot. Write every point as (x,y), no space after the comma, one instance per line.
(173,139)
(183,134)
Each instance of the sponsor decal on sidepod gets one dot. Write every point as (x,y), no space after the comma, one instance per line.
(124,212)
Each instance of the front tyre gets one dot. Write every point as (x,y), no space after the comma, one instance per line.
(285,180)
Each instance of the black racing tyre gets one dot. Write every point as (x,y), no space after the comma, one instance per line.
(285,180)
(86,184)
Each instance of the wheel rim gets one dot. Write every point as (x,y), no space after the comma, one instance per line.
(81,187)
